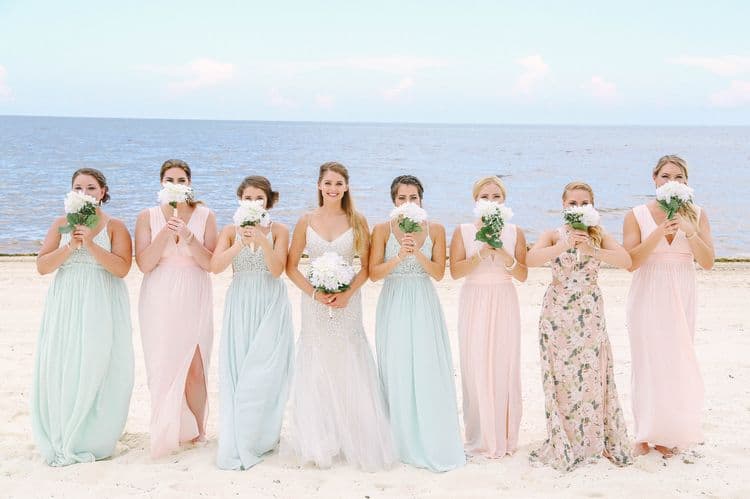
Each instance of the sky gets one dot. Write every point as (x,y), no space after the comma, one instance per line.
(521,62)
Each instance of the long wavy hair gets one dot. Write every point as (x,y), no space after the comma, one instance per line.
(356,220)
(595,232)
(687,210)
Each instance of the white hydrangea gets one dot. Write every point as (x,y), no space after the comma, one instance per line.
(172,193)
(674,190)
(75,201)
(485,208)
(251,213)
(584,215)
(411,211)
(330,273)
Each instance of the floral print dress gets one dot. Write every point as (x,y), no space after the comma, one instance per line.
(584,418)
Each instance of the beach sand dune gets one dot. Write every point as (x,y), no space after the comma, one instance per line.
(716,469)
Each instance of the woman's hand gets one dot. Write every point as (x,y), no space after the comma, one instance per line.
(407,246)
(340,300)
(81,237)
(179,228)
(506,257)
(669,227)
(685,225)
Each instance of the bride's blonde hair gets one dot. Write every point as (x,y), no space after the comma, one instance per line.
(687,210)
(356,220)
(595,232)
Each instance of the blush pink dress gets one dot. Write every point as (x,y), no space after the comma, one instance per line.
(176,318)
(667,383)
(489,333)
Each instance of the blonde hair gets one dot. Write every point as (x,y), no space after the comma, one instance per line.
(492,179)
(356,221)
(595,231)
(687,210)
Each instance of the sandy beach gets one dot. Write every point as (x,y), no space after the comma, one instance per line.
(715,469)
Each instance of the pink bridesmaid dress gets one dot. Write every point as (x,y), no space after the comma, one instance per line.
(176,318)
(489,332)
(667,385)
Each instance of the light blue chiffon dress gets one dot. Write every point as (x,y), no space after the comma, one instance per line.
(415,365)
(83,377)
(255,362)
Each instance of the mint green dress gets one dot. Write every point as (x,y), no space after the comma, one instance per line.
(83,376)
(415,365)
(255,362)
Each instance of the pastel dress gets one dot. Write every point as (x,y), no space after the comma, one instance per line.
(489,334)
(416,371)
(83,376)
(337,411)
(255,361)
(176,318)
(584,418)
(667,383)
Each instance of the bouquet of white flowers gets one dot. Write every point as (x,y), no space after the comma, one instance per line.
(581,218)
(410,217)
(493,216)
(172,194)
(672,195)
(251,213)
(330,273)
(80,209)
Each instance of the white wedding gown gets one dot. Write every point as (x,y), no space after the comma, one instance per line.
(337,410)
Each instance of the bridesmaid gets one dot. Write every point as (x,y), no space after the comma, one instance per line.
(83,376)
(414,355)
(175,310)
(667,384)
(584,419)
(255,354)
(489,330)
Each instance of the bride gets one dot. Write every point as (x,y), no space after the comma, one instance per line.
(337,412)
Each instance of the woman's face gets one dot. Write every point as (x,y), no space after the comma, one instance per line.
(576,197)
(669,172)
(407,194)
(86,184)
(332,186)
(176,175)
(251,193)
(491,192)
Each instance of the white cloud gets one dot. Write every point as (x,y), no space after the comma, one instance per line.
(324,101)
(5,91)
(738,94)
(388,64)
(534,71)
(195,75)
(725,65)
(276,99)
(601,88)
(395,92)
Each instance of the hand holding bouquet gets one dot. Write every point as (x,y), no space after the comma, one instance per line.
(250,214)
(581,218)
(172,194)
(330,273)
(672,195)
(410,217)
(493,216)
(80,209)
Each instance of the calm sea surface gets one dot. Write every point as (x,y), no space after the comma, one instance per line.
(38,155)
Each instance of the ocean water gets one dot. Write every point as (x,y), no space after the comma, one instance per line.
(39,154)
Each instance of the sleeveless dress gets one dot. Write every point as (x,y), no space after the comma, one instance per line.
(584,418)
(667,383)
(176,317)
(489,333)
(83,376)
(337,410)
(255,361)
(416,370)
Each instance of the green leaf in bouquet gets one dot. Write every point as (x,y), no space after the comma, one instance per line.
(247,223)
(488,236)
(65,229)
(91,221)
(670,208)
(409,226)
(579,226)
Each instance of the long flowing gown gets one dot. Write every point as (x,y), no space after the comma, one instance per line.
(337,410)
(584,418)
(416,370)
(667,383)
(176,318)
(489,333)
(255,361)
(83,377)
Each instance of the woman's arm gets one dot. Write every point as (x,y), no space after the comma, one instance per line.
(545,249)
(227,247)
(611,252)
(640,250)
(434,266)
(275,256)
(148,251)
(700,240)
(51,254)
(119,260)
(379,268)
(520,272)
(201,252)
(341,300)
(299,241)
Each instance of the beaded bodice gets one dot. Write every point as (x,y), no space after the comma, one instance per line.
(249,260)
(81,256)
(409,266)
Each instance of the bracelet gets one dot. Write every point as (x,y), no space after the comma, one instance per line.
(477,258)
(691,235)
(315,290)
(515,262)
